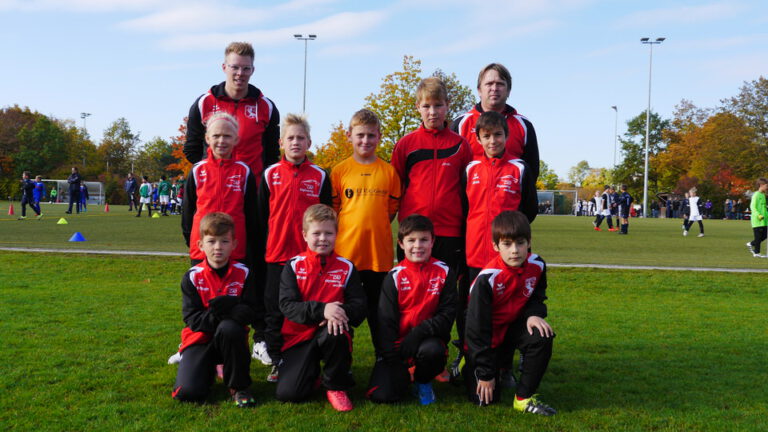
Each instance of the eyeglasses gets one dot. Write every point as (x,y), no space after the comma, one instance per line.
(244,69)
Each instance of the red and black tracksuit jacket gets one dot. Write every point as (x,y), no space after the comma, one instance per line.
(259,123)
(416,297)
(521,140)
(430,164)
(220,185)
(286,190)
(199,285)
(495,185)
(307,283)
(499,296)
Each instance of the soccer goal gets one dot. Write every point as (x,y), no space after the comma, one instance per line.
(556,202)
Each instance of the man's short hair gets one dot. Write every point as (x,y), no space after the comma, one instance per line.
(216,224)
(761,181)
(294,120)
(510,225)
(491,120)
(162,177)
(240,48)
(624,188)
(432,88)
(318,213)
(365,117)
(145,178)
(222,116)
(413,223)
(498,67)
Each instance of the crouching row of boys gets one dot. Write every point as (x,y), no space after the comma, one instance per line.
(322,300)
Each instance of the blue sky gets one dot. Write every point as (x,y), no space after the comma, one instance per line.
(571,60)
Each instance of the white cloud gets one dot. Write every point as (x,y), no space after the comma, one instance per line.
(680,15)
(335,27)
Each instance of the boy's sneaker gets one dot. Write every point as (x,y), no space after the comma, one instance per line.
(22,217)
(260,353)
(425,393)
(685,233)
(749,248)
(175,358)
(507,379)
(443,376)
(700,235)
(339,400)
(40,216)
(272,375)
(243,398)
(534,406)
(598,229)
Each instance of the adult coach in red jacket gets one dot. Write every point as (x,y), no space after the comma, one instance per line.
(493,85)
(258,116)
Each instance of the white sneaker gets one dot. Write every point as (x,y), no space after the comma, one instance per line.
(260,353)
(700,235)
(749,247)
(685,233)
(175,358)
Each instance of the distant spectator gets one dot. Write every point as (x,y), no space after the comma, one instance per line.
(130,187)
(74,180)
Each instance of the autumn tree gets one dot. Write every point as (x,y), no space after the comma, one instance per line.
(461,99)
(42,146)
(578,172)
(180,162)
(154,157)
(335,150)
(547,178)
(751,105)
(118,147)
(631,170)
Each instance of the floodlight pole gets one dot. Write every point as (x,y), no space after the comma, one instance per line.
(84,115)
(650,43)
(306,39)
(615,134)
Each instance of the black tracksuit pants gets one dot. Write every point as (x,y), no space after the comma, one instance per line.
(390,382)
(273,318)
(371,282)
(537,351)
(197,368)
(300,366)
(760,235)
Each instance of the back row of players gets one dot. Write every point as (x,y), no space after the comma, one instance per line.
(459,178)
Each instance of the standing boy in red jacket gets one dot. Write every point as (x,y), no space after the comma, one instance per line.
(286,190)
(217,305)
(416,311)
(322,300)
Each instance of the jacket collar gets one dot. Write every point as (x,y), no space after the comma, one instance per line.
(218,92)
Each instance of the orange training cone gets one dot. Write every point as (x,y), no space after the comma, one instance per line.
(106,208)
(10,209)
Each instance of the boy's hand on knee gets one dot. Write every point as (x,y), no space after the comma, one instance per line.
(485,391)
(544,328)
(334,311)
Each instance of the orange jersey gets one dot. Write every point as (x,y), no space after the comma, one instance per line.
(365,196)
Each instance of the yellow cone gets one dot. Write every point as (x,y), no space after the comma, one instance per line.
(155,215)
(62,221)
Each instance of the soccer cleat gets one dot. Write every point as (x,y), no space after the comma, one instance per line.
(685,233)
(40,216)
(260,353)
(272,375)
(339,400)
(700,235)
(243,398)
(749,248)
(443,376)
(534,406)
(425,393)
(175,358)
(598,229)
(22,217)
(507,379)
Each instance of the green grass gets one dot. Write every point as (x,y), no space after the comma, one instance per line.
(86,338)
(559,239)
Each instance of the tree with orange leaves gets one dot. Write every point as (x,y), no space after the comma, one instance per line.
(177,144)
(335,150)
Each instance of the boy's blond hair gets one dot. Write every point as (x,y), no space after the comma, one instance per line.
(240,48)
(222,116)
(295,120)
(216,224)
(319,213)
(432,88)
(364,117)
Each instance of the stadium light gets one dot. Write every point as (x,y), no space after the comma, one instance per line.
(305,39)
(84,115)
(615,134)
(650,43)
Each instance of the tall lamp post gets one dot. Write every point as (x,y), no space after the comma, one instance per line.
(305,39)
(650,43)
(84,115)
(615,134)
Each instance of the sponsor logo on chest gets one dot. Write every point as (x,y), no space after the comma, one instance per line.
(252,111)
(234,288)
(336,278)
(310,187)
(434,285)
(507,183)
(234,183)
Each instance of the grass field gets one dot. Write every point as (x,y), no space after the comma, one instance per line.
(86,337)
(559,239)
